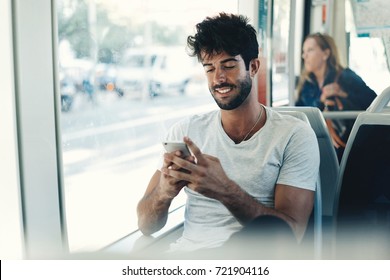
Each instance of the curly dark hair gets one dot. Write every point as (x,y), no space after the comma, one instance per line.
(224,33)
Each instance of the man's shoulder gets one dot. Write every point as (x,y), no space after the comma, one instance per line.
(204,119)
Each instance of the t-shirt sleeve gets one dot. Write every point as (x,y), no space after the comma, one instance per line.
(301,159)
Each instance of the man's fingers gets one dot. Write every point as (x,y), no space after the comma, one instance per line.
(177,174)
(178,162)
(195,150)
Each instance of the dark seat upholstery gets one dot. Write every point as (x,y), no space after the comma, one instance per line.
(362,201)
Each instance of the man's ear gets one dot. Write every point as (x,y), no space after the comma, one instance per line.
(254,66)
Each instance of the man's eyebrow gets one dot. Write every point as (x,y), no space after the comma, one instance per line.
(229,59)
(223,61)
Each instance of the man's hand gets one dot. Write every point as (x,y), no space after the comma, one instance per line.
(204,175)
(171,185)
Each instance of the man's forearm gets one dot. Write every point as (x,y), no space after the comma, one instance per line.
(152,213)
(243,206)
(246,208)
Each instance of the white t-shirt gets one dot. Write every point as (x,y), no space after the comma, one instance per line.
(283,151)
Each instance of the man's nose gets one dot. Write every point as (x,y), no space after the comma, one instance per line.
(219,76)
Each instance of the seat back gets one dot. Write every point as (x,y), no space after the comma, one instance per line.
(329,165)
(314,230)
(362,201)
(381,102)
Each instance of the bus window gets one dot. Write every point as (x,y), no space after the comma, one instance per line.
(371,38)
(373,65)
(117,105)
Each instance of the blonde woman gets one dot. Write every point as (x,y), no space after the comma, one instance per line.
(326,84)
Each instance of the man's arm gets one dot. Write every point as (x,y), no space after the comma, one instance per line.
(293,205)
(152,209)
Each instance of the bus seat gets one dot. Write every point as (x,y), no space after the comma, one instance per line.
(329,165)
(313,233)
(362,201)
(381,103)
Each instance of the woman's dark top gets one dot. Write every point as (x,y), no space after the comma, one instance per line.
(359,97)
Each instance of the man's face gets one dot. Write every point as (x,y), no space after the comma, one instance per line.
(228,80)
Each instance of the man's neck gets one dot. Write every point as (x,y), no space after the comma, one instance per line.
(241,123)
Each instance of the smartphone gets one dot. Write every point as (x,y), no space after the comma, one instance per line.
(175,146)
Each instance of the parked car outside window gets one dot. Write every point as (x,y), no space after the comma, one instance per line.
(152,72)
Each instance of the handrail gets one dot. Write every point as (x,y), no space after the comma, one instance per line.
(327,114)
(341,114)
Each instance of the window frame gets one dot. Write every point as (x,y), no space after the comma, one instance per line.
(11,231)
(39,148)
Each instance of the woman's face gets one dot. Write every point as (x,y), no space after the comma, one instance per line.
(314,57)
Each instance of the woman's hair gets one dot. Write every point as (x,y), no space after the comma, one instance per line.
(224,33)
(324,41)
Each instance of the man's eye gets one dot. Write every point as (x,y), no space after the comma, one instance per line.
(209,70)
(229,66)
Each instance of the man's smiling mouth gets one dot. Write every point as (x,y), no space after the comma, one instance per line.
(224,88)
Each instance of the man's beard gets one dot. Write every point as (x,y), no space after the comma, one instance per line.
(244,87)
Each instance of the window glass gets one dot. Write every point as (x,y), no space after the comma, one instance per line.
(373,65)
(366,25)
(124,79)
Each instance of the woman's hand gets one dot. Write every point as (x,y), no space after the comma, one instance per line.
(331,95)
